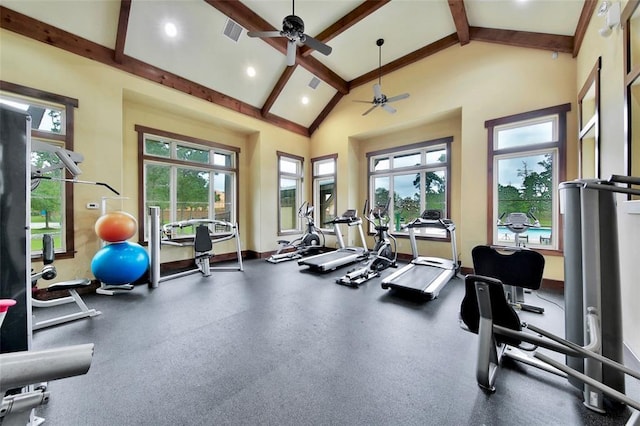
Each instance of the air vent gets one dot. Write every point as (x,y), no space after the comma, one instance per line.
(232,30)
(314,83)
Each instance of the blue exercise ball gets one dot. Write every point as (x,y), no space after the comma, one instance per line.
(120,263)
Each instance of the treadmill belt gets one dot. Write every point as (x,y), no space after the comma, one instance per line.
(325,258)
(417,278)
(331,260)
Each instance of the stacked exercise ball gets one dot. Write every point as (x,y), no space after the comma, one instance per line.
(119,262)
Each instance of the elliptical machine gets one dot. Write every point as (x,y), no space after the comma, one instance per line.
(307,244)
(383,255)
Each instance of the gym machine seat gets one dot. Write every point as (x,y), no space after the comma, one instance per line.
(486,311)
(48,273)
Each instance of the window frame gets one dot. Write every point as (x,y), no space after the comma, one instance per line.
(175,163)
(560,144)
(422,148)
(631,79)
(316,177)
(67,141)
(299,177)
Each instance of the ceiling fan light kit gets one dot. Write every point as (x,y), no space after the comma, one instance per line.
(379,98)
(293,30)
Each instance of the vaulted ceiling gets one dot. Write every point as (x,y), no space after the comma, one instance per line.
(209,55)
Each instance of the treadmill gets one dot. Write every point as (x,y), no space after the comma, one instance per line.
(343,255)
(426,275)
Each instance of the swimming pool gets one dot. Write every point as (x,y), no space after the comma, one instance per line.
(540,235)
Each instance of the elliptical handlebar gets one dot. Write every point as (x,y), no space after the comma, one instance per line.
(305,210)
(379,213)
(518,222)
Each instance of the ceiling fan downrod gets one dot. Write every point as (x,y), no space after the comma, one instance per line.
(379,43)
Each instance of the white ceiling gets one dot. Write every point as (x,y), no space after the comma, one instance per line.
(203,54)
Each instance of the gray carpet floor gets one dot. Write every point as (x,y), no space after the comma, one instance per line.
(277,345)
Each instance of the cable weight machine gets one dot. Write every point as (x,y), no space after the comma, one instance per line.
(202,244)
(592,276)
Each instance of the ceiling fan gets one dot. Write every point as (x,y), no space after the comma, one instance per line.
(379,98)
(293,30)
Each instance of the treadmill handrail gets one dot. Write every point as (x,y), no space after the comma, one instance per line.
(419,222)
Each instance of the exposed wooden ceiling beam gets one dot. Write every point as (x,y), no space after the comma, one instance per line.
(459,15)
(45,33)
(365,9)
(423,52)
(248,19)
(325,112)
(277,89)
(587,12)
(557,43)
(121,35)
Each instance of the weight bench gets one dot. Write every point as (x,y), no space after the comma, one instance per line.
(48,273)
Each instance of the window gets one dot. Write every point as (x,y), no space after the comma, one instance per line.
(289,192)
(527,153)
(187,178)
(418,177)
(51,128)
(324,189)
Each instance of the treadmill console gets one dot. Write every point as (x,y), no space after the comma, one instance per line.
(349,216)
(350,213)
(431,214)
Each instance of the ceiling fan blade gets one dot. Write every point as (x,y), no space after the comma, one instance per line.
(377,91)
(370,109)
(316,44)
(264,34)
(388,108)
(291,53)
(397,98)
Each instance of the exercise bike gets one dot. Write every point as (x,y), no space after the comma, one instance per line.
(518,223)
(383,255)
(307,244)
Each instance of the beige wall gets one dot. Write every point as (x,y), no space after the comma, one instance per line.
(612,145)
(452,94)
(479,81)
(110,104)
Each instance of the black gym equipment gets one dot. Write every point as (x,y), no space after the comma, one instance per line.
(22,371)
(486,311)
(49,272)
(310,243)
(518,223)
(593,323)
(343,255)
(426,275)
(15,236)
(383,255)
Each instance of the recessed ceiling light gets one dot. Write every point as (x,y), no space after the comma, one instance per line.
(251,71)
(170,29)
(304,100)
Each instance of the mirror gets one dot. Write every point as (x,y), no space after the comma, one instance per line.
(589,123)
(631,19)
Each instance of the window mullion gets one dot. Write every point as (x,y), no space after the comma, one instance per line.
(173,193)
